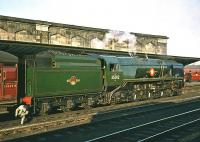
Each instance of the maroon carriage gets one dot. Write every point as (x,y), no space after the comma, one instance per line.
(8,80)
(192,73)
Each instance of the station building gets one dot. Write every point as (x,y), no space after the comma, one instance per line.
(35,31)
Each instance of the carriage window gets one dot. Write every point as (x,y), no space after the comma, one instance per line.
(113,67)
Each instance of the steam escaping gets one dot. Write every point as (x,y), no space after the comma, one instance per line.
(121,37)
(97,43)
(116,39)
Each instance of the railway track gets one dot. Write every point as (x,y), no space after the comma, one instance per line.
(179,132)
(12,130)
(156,130)
(47,124)
(107,123)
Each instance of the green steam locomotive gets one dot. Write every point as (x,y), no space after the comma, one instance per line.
(50,80)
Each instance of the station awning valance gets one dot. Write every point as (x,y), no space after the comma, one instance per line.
(19,48)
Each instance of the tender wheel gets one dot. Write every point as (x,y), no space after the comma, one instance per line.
(44,109)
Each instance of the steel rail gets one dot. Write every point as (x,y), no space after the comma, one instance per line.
(169,130)
(140,126)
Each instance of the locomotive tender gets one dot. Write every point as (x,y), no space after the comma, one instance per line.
(63,81)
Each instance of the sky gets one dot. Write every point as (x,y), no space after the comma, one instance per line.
(177,19)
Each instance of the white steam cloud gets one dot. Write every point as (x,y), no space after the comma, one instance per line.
(116,37)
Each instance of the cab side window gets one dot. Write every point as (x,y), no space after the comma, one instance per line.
(114,67)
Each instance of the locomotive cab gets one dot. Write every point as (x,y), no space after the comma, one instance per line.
(112,73)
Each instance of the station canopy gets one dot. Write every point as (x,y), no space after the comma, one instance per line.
(20,49)
(6,57)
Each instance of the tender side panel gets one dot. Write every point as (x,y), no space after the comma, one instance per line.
(67,79)
(62,82)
